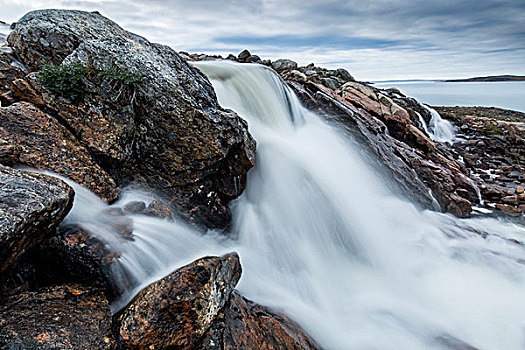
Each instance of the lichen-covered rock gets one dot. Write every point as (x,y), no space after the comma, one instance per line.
(61,317)
(176,311)
(31,207)
(44,143)
(49,36)
(247,325)
(164,129)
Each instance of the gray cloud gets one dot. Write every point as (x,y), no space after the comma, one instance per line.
(373,39)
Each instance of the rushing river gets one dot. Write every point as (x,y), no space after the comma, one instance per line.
(508,95)
(322,239)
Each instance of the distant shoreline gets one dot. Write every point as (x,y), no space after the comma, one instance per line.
(493,78)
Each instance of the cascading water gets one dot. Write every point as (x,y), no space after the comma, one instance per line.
(322,239)
(439,129)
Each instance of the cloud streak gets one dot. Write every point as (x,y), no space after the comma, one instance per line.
(375,39)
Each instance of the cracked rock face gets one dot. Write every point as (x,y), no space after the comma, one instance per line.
(166,130)
(178,310)
(31,207)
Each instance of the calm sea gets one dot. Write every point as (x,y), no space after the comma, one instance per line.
(509,95)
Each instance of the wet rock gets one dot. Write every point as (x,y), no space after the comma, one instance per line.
(519,190)
(164,130)
(44,143)
(31,207)
(61,317)
(178,310)
(159,210)
(134,207)
(247,325)
(284,65)
(494,151)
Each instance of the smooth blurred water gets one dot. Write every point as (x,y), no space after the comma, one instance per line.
(508,95)
(322,239)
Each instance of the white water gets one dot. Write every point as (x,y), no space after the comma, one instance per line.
(439,129)
(322,239)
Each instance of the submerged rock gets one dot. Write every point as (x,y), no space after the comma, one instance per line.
(31,207)
(178,310)
(61,317)
(160,125)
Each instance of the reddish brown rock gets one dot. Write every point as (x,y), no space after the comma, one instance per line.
(247,325)
(61,317)
(8,72)
(159,210)
(9,153)
(176,311)
(46,144)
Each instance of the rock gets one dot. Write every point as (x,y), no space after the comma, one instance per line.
(295,75)
(8,72)
(244,55)
(165,130)
(49,36)
(178,310)
(459,206)
(231,57)
(9,153)
(61,317)
(512,199)
(330,83)
(519,190)
(253,59)
(247,325)
(44,143)
(31,207)
(343,74)
(159,210)
(134,207)
(284,65)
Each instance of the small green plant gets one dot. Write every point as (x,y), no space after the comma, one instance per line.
(64,80)
(68,81)
(493,129)
(115,73)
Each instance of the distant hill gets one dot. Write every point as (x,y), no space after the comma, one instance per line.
(489,79)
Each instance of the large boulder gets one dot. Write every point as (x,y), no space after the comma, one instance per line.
(60,317)
(176,311)
(160,125)
(31,207)
(43,143)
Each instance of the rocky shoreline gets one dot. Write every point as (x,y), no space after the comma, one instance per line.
(141,115)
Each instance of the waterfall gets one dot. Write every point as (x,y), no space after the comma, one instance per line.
(439,129)
(322,238)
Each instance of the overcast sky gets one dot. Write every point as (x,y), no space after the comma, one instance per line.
(374,40)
